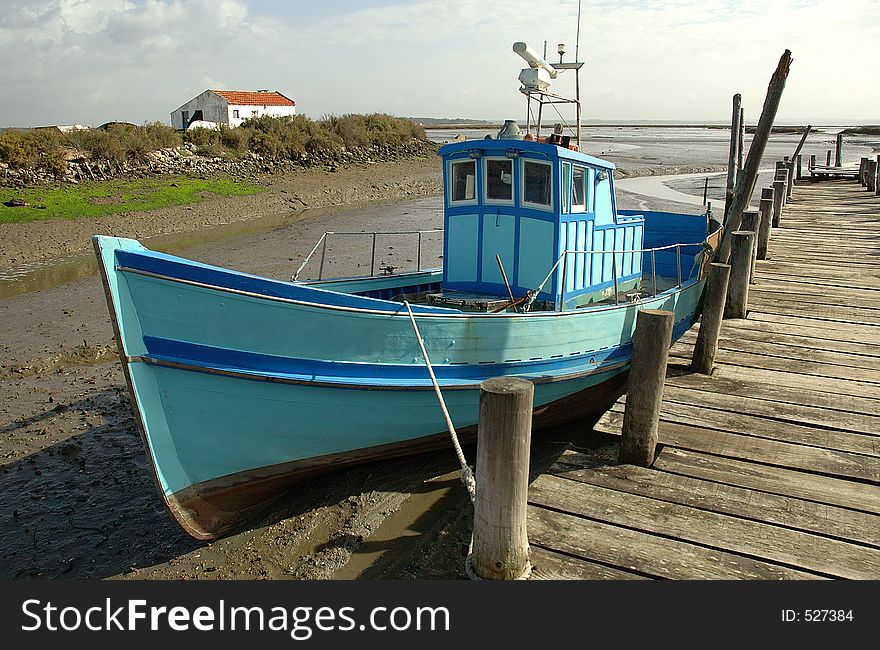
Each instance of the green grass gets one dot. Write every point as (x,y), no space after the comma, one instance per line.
(100,198)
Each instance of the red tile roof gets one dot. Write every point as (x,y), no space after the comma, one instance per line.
(244,98)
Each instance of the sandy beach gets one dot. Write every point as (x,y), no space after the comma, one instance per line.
(77,499)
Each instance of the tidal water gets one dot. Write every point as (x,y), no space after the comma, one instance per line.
(678,152)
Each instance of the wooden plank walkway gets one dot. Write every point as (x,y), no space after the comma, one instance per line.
(768,469)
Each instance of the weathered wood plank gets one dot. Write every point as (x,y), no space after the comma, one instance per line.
(784,334)
(780,415)
(647,554)
(845,388)
(822,299)
(786,364)
(753,345)
(813,283)
(848,295)
(801,319)
(768,389)
(852,315)
(802,550)
(791,512)
(742,422)
(762,450)
(771,479)
(550,565)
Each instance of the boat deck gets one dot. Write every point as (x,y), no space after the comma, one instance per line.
(768,469)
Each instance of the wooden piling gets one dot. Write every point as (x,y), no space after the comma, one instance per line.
(812,163)
(765,221)
(778,194)
(871,176)
(740,145)
(790,180)
(782,174)
(743,193)
(714,297)
(828,158)
(800,168)
(877,181)
(797,151)
(647,376)
(838,150)
(733,152)
(501,544)
(737,304)
(863,166)
(750,222)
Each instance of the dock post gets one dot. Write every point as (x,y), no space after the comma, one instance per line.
(714,298)
(800,166)
(737,305)
(743,194)
(812,163)
(766,218)
(790,170)
(778,193)
(750,222)
(838,150)
(733,153)
(828,158)
(877,172)
(501,543)
(782,174)
(871,176)
(644,395)
(863,165)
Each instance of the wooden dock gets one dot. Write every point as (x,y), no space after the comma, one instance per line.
(824,171)
(768,469)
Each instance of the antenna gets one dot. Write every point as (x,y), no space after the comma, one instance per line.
(577,40)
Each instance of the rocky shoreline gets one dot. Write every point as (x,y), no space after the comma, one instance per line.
(291,191)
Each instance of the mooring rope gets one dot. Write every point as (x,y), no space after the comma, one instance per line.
(467,477)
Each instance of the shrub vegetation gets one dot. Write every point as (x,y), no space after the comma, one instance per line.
(272,137)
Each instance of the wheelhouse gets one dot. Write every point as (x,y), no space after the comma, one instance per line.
(547,212)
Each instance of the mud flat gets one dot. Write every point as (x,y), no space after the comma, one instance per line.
(76,497)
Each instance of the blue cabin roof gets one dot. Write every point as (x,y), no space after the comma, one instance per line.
(501,147)
(527,203)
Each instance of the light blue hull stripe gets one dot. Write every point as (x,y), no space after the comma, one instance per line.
(204,426)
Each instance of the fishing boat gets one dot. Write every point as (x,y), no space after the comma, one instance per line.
(243,385)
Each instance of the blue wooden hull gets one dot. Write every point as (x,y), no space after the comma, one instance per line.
(243,384)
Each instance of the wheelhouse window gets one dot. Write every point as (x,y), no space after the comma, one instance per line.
(566,198)
(579,192)
(537,183)
(499,180)
(462,180)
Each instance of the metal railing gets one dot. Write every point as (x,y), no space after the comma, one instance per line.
(322,244)
(614,271)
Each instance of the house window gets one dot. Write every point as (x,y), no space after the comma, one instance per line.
(462,179)
(579,189)
(537,184)
(235,113)
(499,180)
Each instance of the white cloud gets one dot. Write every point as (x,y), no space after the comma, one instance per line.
(89,61)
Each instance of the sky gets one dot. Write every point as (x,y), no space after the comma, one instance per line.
(93,61)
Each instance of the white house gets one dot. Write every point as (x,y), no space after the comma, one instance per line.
(232,107)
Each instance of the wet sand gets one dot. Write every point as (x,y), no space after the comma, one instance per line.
(76,497)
